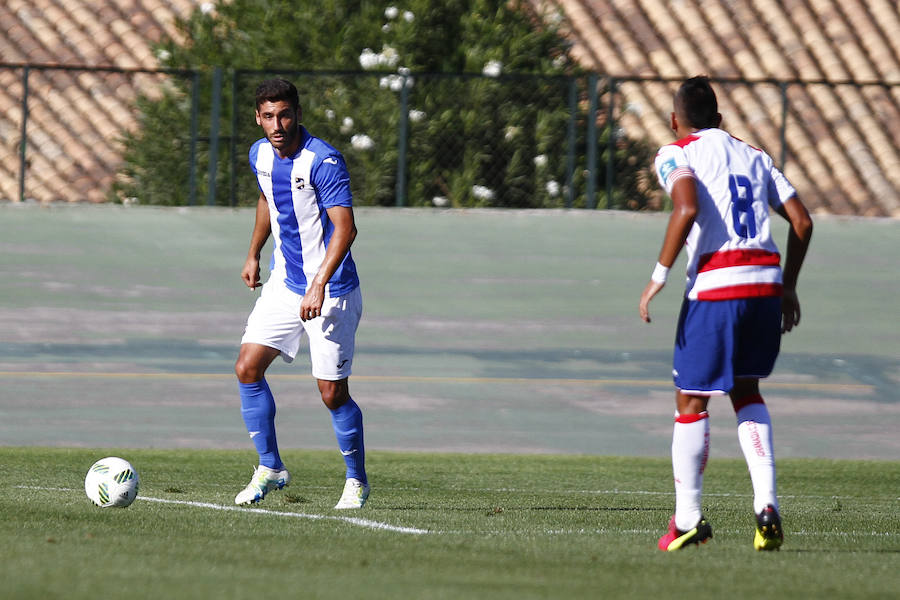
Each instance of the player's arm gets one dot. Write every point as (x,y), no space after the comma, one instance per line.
(262,228)
(341,239)
(684,211)
(799,236)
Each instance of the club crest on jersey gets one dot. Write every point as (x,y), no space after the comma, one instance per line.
(300,183)
(666,168)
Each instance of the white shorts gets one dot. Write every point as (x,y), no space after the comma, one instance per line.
(275,322)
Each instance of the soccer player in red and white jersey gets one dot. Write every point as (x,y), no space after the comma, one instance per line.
(738,301)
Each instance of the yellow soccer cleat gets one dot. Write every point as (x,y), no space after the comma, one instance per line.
(769,534)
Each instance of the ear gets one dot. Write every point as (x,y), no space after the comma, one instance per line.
(258,119)
(674,122)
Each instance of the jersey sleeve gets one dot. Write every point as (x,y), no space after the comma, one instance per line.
(671,165)
(332,181)
(780,190)
(253,154)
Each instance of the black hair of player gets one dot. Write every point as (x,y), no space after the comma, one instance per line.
(696,102)
(275,90)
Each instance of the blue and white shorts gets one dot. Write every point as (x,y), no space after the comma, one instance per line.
(275,322)
(719,341)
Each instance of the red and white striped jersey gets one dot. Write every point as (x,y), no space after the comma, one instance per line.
(729,248)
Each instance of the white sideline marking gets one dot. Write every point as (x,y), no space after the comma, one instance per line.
(278,513)
(369,524)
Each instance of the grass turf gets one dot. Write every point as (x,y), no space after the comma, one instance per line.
(497,526)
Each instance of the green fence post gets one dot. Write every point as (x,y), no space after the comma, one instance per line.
(195,109)
(402,129)
(592,142)
(23,143)
(232,146)
(610,143)
(784,116)
(214,134)
(570,161)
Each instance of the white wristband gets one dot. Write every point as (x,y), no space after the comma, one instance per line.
(660,273)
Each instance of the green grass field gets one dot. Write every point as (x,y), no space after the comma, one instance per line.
(438,526)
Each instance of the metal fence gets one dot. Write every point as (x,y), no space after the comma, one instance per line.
(410,139)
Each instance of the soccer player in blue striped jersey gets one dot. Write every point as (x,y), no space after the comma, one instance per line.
(306,206)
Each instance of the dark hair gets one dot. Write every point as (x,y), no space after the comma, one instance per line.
(696,102)
(275,90)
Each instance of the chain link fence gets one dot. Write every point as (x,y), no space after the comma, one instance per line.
(172,137)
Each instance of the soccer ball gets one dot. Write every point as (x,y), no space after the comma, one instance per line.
(111,481)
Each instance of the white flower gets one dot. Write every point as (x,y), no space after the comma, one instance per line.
(207,7)
(391,12)
(416,115)
(540,160)
(329,114)
(386,28)
(361,141)
(440,201)
(553,188)
(368,59)
(395,82)
(482,193)
(163,55)
(408,16)
(492,68)
(347,125)
(388,57)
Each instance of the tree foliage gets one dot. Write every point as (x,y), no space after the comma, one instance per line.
(476,95)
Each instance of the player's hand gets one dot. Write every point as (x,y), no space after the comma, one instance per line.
(651,290)
(250,273)
(311,305)
(790,310)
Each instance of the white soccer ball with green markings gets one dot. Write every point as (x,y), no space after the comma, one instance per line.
(111,481)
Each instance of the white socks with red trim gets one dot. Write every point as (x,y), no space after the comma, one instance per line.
(690,451)
(755,436)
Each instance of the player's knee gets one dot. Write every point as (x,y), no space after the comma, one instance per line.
(745,392)
(247,371)
(334,395)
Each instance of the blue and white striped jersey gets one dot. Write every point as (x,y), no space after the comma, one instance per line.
(299,190)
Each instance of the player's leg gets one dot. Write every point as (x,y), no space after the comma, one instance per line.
(258,412)
(755,437)
(701,341)
(257,401)
(273,329)
(759,341)
(690,452)
(331,344)
(347,421)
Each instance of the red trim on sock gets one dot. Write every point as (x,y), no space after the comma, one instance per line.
(747,401)
(692,418)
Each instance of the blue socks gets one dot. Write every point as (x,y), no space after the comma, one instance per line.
(348,427)
(258,410)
